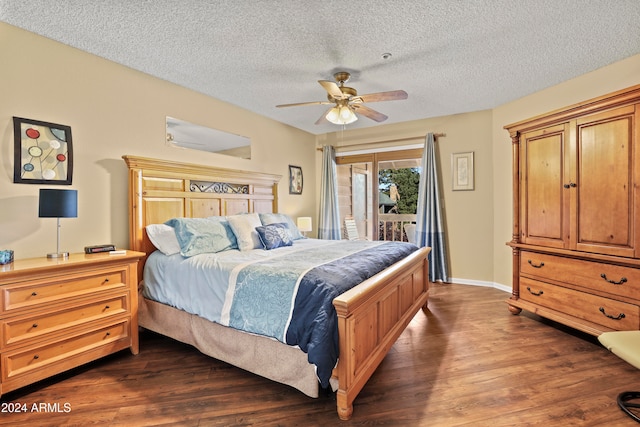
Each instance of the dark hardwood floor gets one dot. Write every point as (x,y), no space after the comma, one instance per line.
(467,362)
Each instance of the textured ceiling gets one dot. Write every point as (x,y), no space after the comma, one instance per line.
(451,56)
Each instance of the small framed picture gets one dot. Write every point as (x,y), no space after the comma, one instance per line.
(295,179)
(43,152)
(462,171)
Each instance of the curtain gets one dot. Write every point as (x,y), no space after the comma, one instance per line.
(329,226)
(429,228)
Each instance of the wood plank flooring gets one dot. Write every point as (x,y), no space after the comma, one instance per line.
(466,362)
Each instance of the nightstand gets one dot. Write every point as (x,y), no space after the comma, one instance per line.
(56,314)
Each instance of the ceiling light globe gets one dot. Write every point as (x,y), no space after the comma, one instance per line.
(333,116)
(347,115)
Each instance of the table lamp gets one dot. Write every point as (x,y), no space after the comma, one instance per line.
(304,224)
(58,204)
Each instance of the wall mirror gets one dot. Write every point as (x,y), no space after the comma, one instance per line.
(196,137)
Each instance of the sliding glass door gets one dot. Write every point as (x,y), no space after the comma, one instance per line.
(355,181)
(379,191)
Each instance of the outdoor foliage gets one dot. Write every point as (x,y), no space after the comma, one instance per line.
(407,181)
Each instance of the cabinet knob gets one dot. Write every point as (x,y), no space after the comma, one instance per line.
(106,307)
(35,325)
(36,357)
(34,294)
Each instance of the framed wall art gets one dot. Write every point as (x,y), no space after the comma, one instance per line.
(462,170)
(295,179)
(43,152)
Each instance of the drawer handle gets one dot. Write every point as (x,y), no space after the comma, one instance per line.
(109,333)
(106,307)
(34,294)
(535,293)
(618,317)
(534,265)
(35,325)
(36,357)
(106,280)
(604,276)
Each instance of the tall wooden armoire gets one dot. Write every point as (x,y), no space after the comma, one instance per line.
(576,214)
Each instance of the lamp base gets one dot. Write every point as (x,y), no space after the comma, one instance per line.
(58,255)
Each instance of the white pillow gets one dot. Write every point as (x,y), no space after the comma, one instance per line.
(244,227)
(163,238)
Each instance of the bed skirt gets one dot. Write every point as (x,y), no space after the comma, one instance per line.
(260,355)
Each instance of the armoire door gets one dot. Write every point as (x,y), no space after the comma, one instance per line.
(605,196)
(544,175)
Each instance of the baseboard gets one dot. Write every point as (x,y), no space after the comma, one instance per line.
(498,286)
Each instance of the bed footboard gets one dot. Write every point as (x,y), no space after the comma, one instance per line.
(371,317)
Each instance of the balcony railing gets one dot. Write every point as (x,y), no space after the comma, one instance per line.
(391,226)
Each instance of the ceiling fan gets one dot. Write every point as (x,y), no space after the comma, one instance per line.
(346,101)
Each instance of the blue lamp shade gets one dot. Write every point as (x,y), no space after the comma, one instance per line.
(58,203)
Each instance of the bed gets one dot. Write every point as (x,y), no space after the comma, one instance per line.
(370,316)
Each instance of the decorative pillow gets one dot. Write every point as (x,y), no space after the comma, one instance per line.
(202,235)
(163,238)
(273,218)
(274,235)
(244,227)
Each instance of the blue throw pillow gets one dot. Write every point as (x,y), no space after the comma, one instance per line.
(272,218)
(202,235)
(274,235)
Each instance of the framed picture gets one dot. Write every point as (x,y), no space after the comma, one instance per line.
(295,179)
(462,171)
(43,152)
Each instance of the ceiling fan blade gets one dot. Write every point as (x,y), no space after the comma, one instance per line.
(368,112)
(391,95)
(323,118)
(298,104)
(332,89)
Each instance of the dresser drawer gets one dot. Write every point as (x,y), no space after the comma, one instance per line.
(613,279)
(29,326)
(593,308)
(18,295)
(24,361)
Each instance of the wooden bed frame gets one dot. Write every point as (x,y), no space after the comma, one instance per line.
(371,316)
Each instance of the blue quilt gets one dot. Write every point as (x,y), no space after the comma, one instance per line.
(294,304)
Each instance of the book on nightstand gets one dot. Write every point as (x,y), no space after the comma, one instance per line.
(99,249)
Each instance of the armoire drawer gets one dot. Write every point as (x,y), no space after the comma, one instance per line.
(608,312)
(31,326)
(26,360)
(614,279)
(31,294)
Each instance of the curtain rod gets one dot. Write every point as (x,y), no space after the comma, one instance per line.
(411,138)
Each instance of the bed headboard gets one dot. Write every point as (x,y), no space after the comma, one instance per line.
(161,189)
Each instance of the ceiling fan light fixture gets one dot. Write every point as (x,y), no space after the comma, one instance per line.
(341,115)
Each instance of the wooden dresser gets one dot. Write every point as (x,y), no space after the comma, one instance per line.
(576,214)
(56,314)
